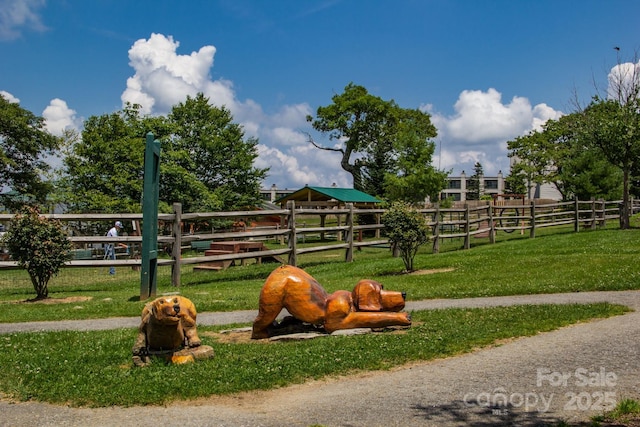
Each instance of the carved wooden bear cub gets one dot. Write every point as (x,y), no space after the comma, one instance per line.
(168,324)
(368,306)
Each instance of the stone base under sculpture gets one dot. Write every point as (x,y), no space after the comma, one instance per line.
(176,357)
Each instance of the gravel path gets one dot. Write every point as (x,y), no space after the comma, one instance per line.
(569,374)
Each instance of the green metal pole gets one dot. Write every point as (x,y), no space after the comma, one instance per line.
(148,276)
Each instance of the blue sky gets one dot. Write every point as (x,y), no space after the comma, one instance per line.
(486,70)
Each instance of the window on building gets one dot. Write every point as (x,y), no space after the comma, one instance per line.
(454,184)
(491,184)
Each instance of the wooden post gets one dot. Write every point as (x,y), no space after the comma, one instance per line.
(594,217)
(148,276)
(176,253)
(576,226)
(467,237)
(436,230)
(349,234)
(293,238)
(323,218)
(603,214)
(492,225)
(532,230)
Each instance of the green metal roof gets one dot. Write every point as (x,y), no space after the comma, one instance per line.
(345,195)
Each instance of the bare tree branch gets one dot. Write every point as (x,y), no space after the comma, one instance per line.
(310,139)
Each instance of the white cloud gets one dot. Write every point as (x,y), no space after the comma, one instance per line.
(481,116)
(624,81)
(18,14)
(541,114)
(9,97)
(301,166)
(164,78)
(479,129)
(59,117)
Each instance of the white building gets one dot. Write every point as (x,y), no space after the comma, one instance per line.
(457,186)
(274,193)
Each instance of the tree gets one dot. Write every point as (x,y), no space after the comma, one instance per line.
(560,155)
(205,163)
(379,138)
(411,179)
(217,153)
(39,245)
(103,172)
(474,187)
(614,127)
(23,144)
(407,229)
(612,124)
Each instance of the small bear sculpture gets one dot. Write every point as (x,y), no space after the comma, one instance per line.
(168,329)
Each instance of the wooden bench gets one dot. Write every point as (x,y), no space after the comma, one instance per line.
(200,245)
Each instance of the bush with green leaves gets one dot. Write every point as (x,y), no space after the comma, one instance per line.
(39,245)
(407,230)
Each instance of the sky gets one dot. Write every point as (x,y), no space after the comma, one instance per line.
(487,71)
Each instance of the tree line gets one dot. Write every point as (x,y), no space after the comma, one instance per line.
(208,162)
(593,152)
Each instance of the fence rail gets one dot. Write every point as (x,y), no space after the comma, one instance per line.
(289,226)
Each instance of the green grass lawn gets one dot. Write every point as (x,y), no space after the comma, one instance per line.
(95,368)
(565,262)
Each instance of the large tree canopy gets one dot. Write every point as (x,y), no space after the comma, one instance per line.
(411,178)
(386,149)
(205,162)
(218,153)
(560,155)
(24,143)
(614,127)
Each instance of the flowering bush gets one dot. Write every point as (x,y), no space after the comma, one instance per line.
(39,245)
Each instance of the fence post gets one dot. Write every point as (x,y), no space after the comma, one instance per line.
(149,270)
(532,230)
(293,238)
(436,230)
(603,214)
(593,213)
(492,226)
(467,226)
(576,226)
(176,252)
(349,234)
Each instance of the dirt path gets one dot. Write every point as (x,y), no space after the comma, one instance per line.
(569,374)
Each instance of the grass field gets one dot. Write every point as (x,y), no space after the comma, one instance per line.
(564,262)
(95,368)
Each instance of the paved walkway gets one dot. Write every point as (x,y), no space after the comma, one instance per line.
(569,374)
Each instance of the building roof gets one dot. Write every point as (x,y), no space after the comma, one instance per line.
(325,194)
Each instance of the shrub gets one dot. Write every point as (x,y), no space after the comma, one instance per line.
(39,245)
(407,230)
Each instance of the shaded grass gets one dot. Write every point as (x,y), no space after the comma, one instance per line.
(95,369)
(565,262)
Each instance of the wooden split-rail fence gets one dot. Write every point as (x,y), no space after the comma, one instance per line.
(336,228)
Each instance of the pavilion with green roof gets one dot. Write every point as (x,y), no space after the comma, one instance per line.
(329,197)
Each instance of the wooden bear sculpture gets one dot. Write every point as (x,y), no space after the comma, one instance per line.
(367,306)
(168,329)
